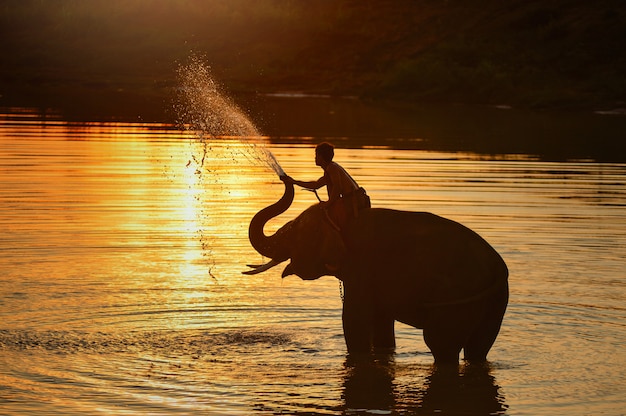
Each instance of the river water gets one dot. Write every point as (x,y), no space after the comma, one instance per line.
(121,290)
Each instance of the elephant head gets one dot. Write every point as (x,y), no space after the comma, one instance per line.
(311,243)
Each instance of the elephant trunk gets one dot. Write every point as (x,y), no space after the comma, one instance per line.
(269,246)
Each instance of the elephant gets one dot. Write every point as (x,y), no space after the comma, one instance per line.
(417,268)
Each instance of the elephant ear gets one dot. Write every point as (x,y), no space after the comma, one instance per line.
(332,249)
(316,247)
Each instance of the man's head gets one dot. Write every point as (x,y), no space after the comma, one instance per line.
(324,153)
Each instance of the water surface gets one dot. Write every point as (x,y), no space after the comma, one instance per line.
(121,291)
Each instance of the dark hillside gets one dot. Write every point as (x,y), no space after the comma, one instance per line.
(527,53)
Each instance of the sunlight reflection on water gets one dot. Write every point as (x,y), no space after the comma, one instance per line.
(121,288)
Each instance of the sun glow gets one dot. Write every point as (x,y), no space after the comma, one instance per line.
(191,220)
(217,187)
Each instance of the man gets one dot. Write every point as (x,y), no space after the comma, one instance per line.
(345,197)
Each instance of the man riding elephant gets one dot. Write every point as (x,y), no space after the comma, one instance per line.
(345,196)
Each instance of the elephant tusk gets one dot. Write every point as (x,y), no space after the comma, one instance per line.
(256,269)
(288,271)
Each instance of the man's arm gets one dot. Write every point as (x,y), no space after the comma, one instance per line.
(309,184)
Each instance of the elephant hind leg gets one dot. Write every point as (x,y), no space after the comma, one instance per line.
(484,335)
(444,348)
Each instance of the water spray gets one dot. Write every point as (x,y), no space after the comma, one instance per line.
(212,115)
(216,120)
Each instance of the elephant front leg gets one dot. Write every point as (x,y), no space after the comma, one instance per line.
(357,329)
(383,333)
(366,325)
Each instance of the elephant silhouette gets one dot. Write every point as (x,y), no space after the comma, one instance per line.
(414,267)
